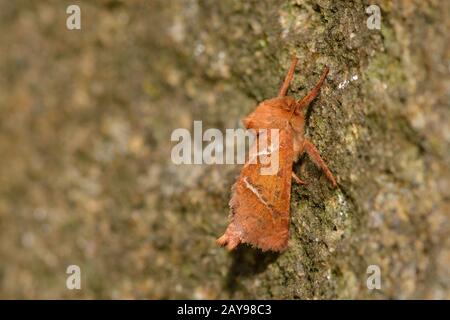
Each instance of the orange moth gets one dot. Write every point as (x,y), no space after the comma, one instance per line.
(260,204)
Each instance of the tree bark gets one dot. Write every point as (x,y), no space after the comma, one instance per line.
(86,118)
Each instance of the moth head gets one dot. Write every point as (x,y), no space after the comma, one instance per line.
(285,103)
(272,113)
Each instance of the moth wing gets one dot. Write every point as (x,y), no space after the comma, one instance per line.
(260,203)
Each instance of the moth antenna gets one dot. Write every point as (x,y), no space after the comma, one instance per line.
(303,103)
(287,81)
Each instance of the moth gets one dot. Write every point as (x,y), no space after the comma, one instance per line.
(260,204)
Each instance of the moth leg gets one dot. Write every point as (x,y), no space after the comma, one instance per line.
(314,154)
(287,81)
(297,179)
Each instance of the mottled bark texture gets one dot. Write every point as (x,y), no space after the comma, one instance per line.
(85,170)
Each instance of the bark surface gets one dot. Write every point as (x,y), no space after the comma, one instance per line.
(85,171)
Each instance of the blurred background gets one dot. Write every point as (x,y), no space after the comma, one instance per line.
(86,177)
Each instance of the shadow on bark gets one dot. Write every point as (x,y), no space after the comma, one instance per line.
(247,262)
